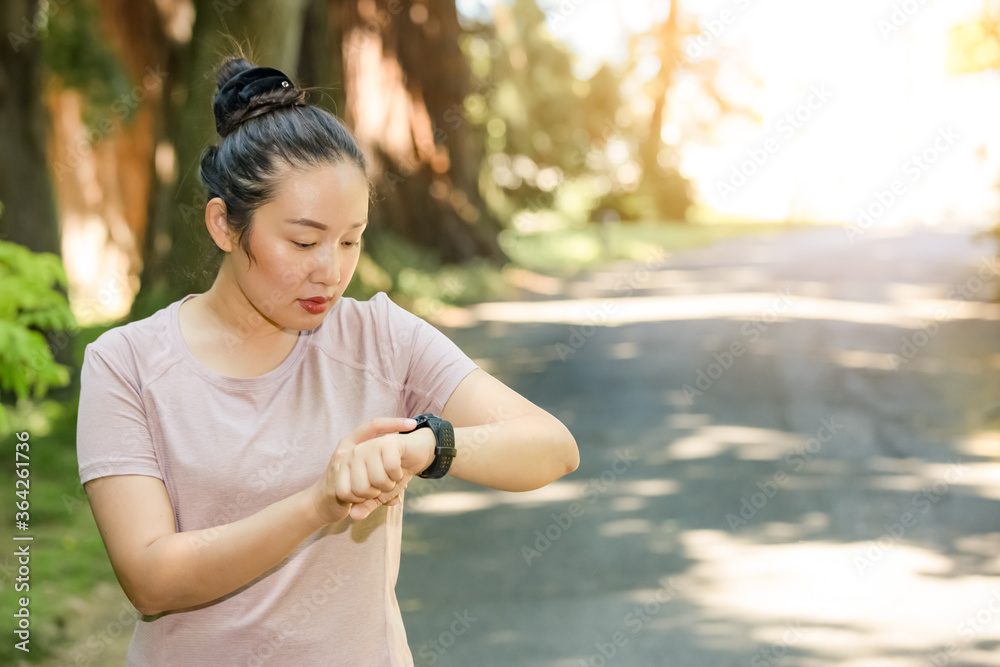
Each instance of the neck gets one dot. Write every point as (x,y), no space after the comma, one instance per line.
(231,311)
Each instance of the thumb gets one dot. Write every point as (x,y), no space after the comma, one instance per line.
(360,511)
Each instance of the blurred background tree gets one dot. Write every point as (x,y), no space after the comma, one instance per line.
(973,47)
(565,145)
(468,124)
(46,50)
(25,185)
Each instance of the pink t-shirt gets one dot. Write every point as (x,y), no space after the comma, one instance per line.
(227,447)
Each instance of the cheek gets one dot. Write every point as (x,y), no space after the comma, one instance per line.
(288,268)
(349,267)
(352,263)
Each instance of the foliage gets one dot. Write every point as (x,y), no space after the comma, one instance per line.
(547,131)
(416,279)
(668,196)
(30,304)
(76,53)
(975,46)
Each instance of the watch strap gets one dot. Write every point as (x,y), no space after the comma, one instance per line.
(444,449)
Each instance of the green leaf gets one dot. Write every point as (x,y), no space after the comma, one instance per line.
(31,304)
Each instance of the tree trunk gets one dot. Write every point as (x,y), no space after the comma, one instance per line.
(270,32)
(321,62)
(151,40)
(669,48)
(406,79)
(670,191)
(29,210)
(29,215)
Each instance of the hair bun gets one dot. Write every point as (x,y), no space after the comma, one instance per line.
(250,93)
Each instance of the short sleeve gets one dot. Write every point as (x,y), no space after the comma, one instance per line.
(112,434)
(428,364)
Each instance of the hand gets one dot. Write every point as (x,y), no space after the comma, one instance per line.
(416,455)
(366,470)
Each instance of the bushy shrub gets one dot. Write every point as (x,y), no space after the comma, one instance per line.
(30,305)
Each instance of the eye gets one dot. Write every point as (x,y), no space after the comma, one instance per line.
(304,245)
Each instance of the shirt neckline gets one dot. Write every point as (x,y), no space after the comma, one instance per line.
(207,373)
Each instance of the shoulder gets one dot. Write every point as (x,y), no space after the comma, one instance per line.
(375,333)
(377,315)
(136,348)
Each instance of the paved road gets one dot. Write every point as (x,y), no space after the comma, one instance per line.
(787,459)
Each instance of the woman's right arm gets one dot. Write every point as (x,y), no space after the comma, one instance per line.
(160,569)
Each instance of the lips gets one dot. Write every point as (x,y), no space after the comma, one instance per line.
(316,305)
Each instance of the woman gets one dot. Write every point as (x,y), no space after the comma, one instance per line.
(244,450)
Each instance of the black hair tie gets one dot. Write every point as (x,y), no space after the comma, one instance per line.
(245,85)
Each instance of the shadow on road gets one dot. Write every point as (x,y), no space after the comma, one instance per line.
(788,458)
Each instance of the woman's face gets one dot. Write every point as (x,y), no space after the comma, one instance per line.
(306,242)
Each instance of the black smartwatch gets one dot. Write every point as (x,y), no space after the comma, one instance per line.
(444,450)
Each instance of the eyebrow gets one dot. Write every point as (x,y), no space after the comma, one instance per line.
(306,222)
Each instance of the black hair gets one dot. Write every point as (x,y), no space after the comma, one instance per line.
(273,131)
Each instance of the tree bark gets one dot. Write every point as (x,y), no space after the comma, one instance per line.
(150,40)
(670,190)
(29,215)
(669,47)
(406,80)
(29,211)
(321,62)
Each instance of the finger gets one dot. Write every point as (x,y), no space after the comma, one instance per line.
(378,426)
(343,480)
(377,476)
(392,463)
(389,497)
(359,479)
(362,510)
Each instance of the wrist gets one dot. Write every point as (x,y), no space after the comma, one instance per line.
(425,445)
(316,507)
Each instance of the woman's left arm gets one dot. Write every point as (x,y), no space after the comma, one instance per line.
(505,441)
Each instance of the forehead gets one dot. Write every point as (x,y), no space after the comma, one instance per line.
(328,194)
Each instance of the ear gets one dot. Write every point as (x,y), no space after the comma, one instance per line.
(215,220)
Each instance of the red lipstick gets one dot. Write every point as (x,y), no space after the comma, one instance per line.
(315,305)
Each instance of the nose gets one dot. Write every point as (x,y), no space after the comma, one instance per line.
(326,270)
